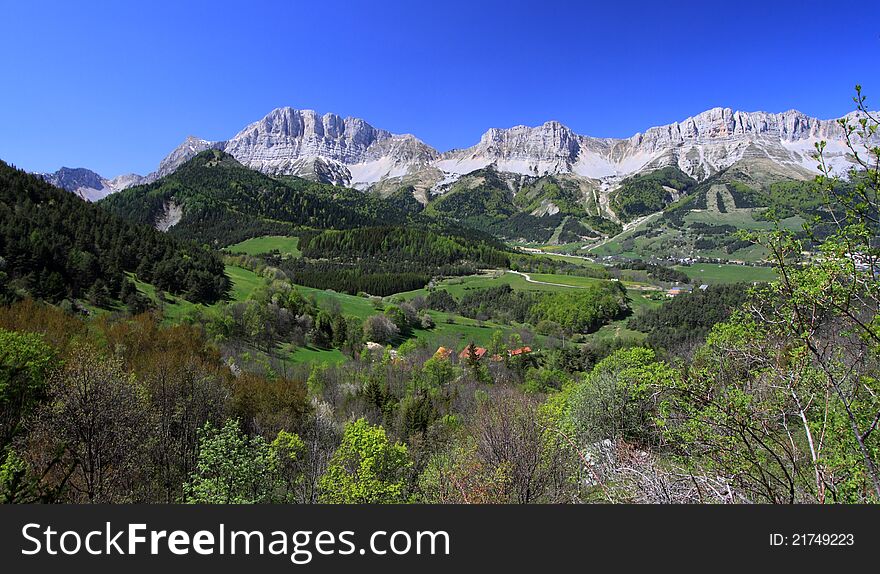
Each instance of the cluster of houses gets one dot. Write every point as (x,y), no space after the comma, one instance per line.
(471,351)
(680,289)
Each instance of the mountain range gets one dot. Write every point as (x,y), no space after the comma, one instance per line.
(352,153)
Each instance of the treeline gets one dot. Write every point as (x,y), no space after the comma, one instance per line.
(582,310)
(401,243)
(386,260)
(219,197)
(526,226)
(576,311)
(55,246)
(374,278)
(573,231)
(682,324)
(502,304)
(658,272)
(542,264)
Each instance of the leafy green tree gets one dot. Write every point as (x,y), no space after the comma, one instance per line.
(616,401)
(380,329)
(322,332)
(232,468)
(288,449)
(366,468)
(26,362)
(316,382)
(397,316)
(582,310)
(437,372)
(825,307)
(545,380)
(498,346)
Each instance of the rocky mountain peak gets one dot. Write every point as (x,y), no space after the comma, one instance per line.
(281,141)
(84,182)
(350,151)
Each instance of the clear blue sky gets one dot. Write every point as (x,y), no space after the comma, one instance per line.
(114,86)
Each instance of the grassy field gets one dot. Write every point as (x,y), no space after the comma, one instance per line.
(458,286)
(314,355)
(348,304)
(655,237)
(243,282)
(715,273)
(450,330)
(741,219)
(452,335)
(174,308)
(640,300)
(457,335)
(580,261)
(573,280)
(267,244)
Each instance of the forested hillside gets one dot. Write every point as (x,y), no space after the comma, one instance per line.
(55,246)
(647,193)
(222,202)
(386,260)
(529,208)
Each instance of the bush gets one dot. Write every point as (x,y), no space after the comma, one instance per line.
(380,329)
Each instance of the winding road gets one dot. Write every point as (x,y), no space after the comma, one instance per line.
(530,280)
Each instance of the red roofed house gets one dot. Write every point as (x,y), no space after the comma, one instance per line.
(479,352)
(520,351)
(442,353)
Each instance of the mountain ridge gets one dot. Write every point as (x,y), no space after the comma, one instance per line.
(351,152)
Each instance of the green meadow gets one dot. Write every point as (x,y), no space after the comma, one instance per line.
(268,244)
(723,273)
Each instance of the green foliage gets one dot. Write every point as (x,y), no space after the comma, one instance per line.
(483,200)
(656,272)
(436,373)
(407,243)
(57,246)
(366,468)
(285,246)
(480,206)
(234,469)
(387,260)
(546,380)
(224,202)
(616,400)
(26,363)
(682,324)
(16,484)
(582,310)
(643,194)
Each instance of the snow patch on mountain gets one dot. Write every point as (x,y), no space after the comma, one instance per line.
(351,152)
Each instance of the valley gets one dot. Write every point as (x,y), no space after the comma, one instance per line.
(314,275)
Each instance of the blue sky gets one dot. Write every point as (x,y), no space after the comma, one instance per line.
(114,86)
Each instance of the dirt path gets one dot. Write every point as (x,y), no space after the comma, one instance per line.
(530,280)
